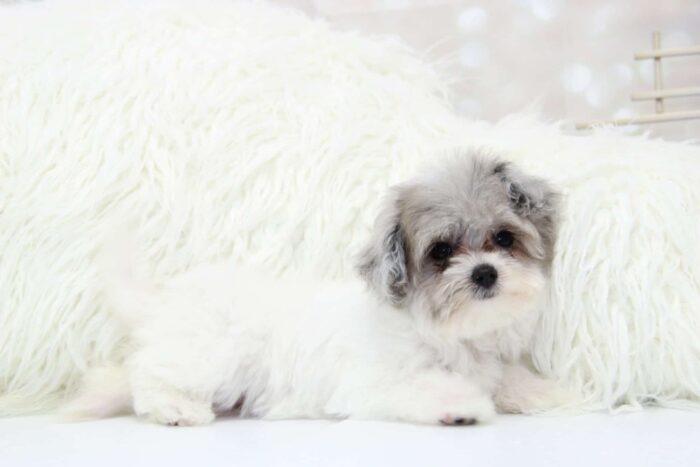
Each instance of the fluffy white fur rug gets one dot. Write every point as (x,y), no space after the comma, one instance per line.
(241,130)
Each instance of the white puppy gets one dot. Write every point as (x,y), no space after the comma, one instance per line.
(456,266)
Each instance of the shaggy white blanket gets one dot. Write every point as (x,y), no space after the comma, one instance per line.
(228,129)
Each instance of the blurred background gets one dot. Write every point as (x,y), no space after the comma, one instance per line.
(570,60)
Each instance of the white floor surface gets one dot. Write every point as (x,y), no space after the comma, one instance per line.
(651,438)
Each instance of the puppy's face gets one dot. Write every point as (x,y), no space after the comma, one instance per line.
(467,246)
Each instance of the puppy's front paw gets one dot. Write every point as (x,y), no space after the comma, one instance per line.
(175,411)
(449,420)
(523,392)
(449,400)
(468,411)
(554,397)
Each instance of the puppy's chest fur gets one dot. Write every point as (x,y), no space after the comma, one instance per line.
(484,358)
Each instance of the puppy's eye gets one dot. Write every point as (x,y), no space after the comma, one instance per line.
(441,251)
(503,238)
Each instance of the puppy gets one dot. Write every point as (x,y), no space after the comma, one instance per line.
(456,267)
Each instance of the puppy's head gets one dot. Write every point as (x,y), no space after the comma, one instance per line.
(467,245)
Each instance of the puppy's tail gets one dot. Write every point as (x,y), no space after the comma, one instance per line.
(124,278)
(122,275)
(104,393)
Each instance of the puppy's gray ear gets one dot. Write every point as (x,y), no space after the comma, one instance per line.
(382,263)
(534,199)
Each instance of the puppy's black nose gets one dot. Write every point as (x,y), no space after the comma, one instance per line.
(484,275)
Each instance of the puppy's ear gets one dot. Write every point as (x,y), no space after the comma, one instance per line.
(382,263)
(534,199)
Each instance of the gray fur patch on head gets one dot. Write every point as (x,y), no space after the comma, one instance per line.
(534,199)
(383,262)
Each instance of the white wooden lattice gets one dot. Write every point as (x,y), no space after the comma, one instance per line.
(659,94)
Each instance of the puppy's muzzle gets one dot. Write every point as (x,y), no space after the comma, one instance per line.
(484,276)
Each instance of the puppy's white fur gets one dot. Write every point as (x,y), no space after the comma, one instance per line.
(221,338)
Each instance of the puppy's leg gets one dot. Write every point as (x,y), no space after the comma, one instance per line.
(521,391)
(172,388)
(430,397)
(165,404)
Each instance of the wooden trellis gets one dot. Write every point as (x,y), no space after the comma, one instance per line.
(659,94)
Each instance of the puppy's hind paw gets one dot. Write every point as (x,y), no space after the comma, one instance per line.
(177,413)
